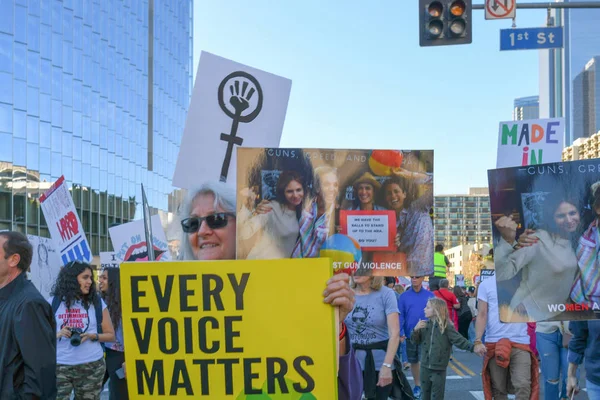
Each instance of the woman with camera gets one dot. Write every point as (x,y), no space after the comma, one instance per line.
(82,323)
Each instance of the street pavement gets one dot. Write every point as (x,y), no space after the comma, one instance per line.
(463,379)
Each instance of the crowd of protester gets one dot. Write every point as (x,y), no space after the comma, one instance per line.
(72,342)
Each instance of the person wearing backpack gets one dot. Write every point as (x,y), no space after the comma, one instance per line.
(82,324)
(465,316)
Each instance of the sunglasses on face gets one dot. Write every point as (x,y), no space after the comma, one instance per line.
(214,221)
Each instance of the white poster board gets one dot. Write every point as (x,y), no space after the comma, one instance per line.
(129,241)
(64,224)
(232,105)
(459,280)
(108,259)
(45,264)
(530,142)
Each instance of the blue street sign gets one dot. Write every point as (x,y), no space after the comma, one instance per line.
(531,38)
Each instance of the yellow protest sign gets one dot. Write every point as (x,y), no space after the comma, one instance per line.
(250,329)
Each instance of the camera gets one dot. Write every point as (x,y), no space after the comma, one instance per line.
(76,336)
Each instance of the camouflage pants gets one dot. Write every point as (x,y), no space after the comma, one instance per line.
(84,379)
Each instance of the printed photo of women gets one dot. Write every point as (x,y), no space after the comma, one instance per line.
(318,220)
(297,202)
(414,226)
(550,260)
(586,289)
(275,221)
(546,256)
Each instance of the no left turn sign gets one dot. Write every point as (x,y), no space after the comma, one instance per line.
(500,9)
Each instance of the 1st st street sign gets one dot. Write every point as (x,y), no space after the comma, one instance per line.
(531,38)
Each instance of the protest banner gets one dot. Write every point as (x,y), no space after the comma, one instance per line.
(303,203)
(529,142)
(232,105)
(459,280)
(129,241)
(485,274)
(228,330)
(552,278)
(108,259)
(64,224)
(45,264)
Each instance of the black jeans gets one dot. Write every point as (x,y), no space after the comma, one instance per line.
(117,388)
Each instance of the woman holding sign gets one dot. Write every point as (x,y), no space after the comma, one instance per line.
(275,221)
(209,231)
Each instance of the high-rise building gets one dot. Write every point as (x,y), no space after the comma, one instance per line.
(526,108)
(586,95)
(463,218)
(560,67)
(97,91)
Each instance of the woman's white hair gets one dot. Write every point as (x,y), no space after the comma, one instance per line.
(224,200)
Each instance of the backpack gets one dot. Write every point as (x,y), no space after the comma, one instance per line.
(464,309)
(97,307)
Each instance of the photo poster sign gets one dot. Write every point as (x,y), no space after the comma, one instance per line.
(64,223)
(366,209)
(212,329)
(530,142)
(232,105)
(459,280)
(45,264)
(550,280)
(129,241)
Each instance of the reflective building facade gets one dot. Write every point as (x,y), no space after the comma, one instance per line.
(97,91)
(526,108)
(586,94)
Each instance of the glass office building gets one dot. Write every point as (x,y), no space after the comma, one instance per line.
(97,91)
(526,108)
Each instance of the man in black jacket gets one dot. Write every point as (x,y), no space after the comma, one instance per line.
(27,327)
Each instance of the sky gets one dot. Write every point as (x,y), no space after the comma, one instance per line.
(361,81)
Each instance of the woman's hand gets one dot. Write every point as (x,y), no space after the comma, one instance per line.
(527,239)
(87,336)
(338,293)
(507,228)
(420,325)
(385,376)
(64,332)
(263,207)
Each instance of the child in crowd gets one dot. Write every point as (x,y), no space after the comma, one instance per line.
(436,337)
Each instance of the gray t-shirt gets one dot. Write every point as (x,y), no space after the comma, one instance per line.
(367,323)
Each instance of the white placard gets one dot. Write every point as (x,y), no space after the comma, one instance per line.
(108,259)
(459,280)
(369,230)
(129,241)
(232,105)
(530,142)
(64,224)
(45,264)
(486,274)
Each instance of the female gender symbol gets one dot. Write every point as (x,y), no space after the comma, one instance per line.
(240,101)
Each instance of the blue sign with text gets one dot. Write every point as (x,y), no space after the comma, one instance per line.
(531,38)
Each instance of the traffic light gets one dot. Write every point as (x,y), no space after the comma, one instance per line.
(445,22)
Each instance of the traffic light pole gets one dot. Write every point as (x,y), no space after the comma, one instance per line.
(575,4)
